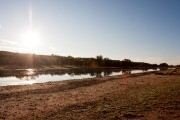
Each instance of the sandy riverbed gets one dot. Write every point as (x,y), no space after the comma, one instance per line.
(39,100)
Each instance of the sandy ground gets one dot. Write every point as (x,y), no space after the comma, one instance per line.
(37,100)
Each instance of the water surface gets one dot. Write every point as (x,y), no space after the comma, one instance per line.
(31,78)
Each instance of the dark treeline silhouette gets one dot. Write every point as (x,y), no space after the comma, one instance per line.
(163,65)
(32,60)
(178,66)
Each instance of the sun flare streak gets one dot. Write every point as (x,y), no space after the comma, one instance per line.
(30,15)
(30,39)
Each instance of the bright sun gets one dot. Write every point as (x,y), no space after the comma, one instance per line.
(30,39)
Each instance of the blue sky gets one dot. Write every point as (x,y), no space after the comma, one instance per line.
(140,30)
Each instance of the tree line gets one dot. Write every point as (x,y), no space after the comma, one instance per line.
(33,60)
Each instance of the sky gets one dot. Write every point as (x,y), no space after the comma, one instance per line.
(139,30)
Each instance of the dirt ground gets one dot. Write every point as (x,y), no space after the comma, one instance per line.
(96,98)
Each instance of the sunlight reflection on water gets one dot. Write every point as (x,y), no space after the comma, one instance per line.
(30,71)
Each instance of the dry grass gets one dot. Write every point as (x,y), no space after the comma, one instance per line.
(133,104)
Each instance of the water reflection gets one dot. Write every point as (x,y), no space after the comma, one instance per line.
(126,72)
(33,76)
(30,72)
(79,72)
(164,68)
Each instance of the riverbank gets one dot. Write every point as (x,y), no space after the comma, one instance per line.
(140,96)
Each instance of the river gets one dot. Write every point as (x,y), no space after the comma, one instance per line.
(31,78)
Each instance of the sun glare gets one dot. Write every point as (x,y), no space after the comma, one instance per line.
(30,39)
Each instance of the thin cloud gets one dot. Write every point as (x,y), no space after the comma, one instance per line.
(7,42)
(9,45)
